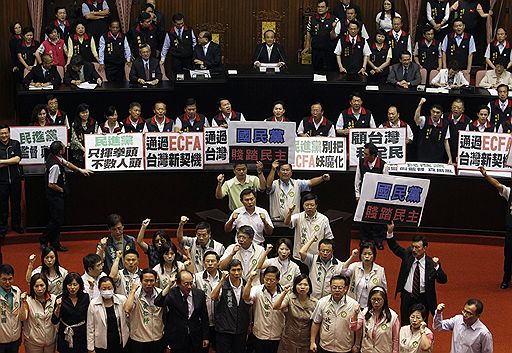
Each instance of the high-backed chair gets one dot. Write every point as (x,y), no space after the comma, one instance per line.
(219,33)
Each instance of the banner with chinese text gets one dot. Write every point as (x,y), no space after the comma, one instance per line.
(35,139)
(486,149)
(112,152)
(389,141)
(320,153)
(386,198)
(422,168)
(216,149)
(169,150)
(266,141)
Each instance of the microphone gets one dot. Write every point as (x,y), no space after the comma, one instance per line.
(280,56)
(257,58)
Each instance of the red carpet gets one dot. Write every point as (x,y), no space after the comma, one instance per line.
(473,271)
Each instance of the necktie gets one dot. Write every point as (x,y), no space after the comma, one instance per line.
(416,281)
(146,71)
(406,71)
(179,32)
(185,304)
(353,41)
(205,49)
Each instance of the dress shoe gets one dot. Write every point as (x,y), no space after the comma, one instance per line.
(61,248)
(379,245)
(504,284)
(18,230)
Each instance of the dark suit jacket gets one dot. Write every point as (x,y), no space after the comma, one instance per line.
(90,74)
(431,275)
(276,55)
(179,325)
(137,71)
(36,75)
(213,58)
(396,74)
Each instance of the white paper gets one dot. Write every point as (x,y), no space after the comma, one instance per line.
(194,73)
(87,85)
(437,90)
(319,78)
(372,88)
(232,72)
(492,91)
(265,66)
(39,88)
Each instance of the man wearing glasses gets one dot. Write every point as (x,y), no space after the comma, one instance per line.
(470,335)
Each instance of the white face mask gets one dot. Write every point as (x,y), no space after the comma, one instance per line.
(107,294)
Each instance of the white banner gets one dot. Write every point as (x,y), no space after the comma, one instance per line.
(216,149)
(320,153)
(266,141)
(486,149)
(114,152)
(389,141)
(386,198)
(422,168)
(35,139)
(170,150)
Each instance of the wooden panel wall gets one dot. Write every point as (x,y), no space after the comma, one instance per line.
(238,15)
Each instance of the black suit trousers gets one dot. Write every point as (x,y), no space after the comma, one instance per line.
(406,301)
(10,192)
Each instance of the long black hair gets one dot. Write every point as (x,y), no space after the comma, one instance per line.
(45,270)
(68,279)
(392,11)
(385,306)
(164,249)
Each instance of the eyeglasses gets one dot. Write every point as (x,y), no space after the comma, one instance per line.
(467,313)
(377,300)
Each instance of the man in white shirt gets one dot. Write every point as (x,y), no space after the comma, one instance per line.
(252,215)
(500,48)
(496,77)
(394,121)
(93,266)
(459,46)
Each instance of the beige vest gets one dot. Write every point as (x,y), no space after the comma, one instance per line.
(335,333)
(281,200)
(268,323)
(10,324)
(307,228)
(38,328)
(378,336)
(197,252)
(202,282)
(321,275)
(251,263)
(410,342)
(376,278)
(146,321)
(285,277)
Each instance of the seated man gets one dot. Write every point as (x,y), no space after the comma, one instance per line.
(496,77)
(81,71)
(450,78)
(145,69)
(44,74)
(269,51)
(406,73)
(394,121)
(250,214)
(207,54)
(316,124)
(501,109)
(226,114)
(159,122)
(355,116)
(134,122)
(482,122)
(56,115)
(191,120)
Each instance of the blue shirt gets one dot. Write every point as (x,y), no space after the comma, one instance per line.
(8,296)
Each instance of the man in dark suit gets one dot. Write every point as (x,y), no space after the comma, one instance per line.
(418,275)
(145,69)
(207,54)
(269,51)
(187,325)
(80,71)
(340,11)
(406,73)
(44,74)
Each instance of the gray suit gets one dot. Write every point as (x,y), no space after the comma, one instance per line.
(396,74)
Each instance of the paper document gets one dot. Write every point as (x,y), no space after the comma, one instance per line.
(87,85)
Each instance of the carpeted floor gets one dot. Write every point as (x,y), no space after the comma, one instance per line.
(473,271)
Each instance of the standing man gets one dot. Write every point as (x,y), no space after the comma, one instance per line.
(434,135)
(146,319)
(207,54)
(316,124)
(187,317)
(114,51)
(318,40)
(250,214)
(191,120)
(470,335)
(458,46)
(331,319)
(286,191)
(55,192)
(501,109)
(231,312)
(61,22)
(352,51)
(96,12)
(241,181)
(144,33)
(10,182)
(399,41)
(308,224)
(159,122)
(200,244)
(179,43)
(505,192)
(418,275)
(499,49)
(11,301)
(370,163)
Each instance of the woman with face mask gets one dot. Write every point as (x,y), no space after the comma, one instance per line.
(38,331)
(71,314)
(107,329)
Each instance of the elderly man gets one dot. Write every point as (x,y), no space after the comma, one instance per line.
(316,124)
(498,76)
(269,51)
(145,69)
(207,54)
